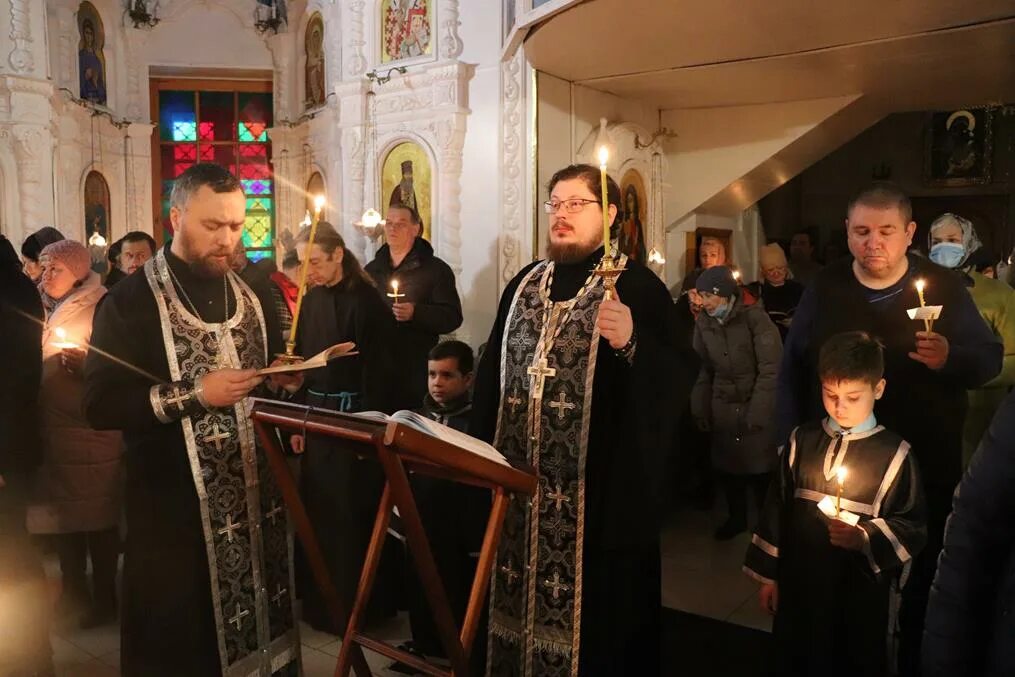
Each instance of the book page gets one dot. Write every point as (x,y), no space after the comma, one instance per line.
(449,435)
(317,361)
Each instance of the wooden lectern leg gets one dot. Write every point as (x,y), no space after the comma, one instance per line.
(305,532)
(366,582)
(487,558)
(419,546)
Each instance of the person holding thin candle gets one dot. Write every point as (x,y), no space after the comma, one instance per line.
(425,303)
(829,584)
(930,372)
(77,493)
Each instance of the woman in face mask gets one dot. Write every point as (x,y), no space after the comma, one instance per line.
(953,244)
(734,397)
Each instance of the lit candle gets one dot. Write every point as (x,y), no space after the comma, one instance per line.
(62,343)
(736,276)
(291,343)
(604,156)
(394,291)
(920,284)
(841,476)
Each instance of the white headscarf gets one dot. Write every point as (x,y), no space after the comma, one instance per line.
(969,239)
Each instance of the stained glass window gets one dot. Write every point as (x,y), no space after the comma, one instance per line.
(228,128)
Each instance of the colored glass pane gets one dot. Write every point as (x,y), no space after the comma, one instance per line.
(254,115)
(177,158)
(254,151)
(217,110)
(257,230)
(252,132)
(256,169)
(256,186)
(258,254)
(177,116)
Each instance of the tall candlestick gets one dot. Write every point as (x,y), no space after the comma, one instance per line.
(841,475)
(920,284)
(604,156)
(291,343)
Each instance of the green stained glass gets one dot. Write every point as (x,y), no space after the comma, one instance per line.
(185,130)
(254,133)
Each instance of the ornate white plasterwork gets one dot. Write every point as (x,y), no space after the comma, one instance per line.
(20,57)
(357,62)
(513,163)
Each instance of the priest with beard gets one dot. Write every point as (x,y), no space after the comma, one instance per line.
(341,492)
(207,581)
(583,389)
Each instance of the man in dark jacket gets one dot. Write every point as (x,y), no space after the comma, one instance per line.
(970,620)
(929,371)
(24,647)
(424,301)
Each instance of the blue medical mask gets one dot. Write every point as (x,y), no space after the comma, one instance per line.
(721,311)
(947,254)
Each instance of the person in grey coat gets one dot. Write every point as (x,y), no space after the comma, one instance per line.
(734,397)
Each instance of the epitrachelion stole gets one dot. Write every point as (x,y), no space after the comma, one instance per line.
(246,528)
(545,408)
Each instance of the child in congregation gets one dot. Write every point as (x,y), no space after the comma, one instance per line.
(454,515)
(844,517)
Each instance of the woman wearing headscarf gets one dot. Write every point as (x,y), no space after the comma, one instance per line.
(953,244)
(76,497)
(32,247)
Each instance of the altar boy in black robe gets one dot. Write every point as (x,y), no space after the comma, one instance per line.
(829,584)
(340,491)
(584,390)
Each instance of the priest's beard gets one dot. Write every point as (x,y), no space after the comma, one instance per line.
(209,265)
(569,252)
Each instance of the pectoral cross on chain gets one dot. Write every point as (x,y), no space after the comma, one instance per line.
(562,405)
(237,620)
(510,572)
(216,438)
(230,527)
(540,371)
(178,398)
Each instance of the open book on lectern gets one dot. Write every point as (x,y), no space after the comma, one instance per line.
(438,430)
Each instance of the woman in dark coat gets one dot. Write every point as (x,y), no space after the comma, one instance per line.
(970,622)
(734,397)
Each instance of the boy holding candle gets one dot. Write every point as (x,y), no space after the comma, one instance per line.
(829,584)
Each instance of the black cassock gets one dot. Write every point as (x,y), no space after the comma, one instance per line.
(836,607)
(341,493)
(178,618)
(614,531)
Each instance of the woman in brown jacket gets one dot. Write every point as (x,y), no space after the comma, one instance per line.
(77,492)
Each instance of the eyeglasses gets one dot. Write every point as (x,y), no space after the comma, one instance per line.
(572,206)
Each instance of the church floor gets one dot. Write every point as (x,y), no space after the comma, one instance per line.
(700,577)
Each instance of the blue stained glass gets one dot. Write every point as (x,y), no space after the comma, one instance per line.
(256,186)
(257,255)
(184,130)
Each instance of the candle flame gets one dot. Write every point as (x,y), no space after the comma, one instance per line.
(61,333)
(655,256)
(394,285)
(604,156)
(920,284)
(318,203)
(841,474)
(371,219)
(736,275)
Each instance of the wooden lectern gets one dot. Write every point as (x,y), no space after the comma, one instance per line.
(400,449)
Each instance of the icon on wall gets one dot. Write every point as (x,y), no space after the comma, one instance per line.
(407,29)
(406,179)
(91,61)
(633,217)
(960,144)
(314,49)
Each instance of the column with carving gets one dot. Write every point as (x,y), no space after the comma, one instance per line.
(281,47)
(138,148)
(513,168)
(450,134)
(20,57)
(136,67)
(355,22)
(33,152)
(282,150)
(450,42)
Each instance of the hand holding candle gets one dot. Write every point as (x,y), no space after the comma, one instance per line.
(393,294)
(920,285)
(62,342)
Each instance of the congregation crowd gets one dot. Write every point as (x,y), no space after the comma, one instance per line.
(877,451)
